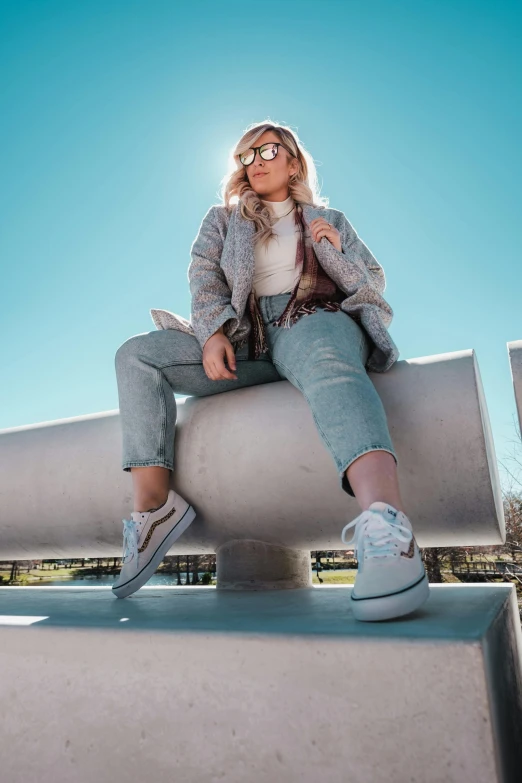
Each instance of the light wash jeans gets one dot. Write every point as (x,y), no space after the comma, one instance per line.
(323,354)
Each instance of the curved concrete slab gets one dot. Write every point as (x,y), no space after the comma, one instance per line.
(254,467)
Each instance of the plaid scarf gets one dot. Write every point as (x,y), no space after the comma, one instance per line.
(313,289)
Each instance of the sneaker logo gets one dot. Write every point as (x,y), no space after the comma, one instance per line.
(153,527)
(411,550)
(391,511)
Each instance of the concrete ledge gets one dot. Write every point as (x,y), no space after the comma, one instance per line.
(203,685)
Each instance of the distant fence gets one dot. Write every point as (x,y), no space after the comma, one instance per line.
(491,568)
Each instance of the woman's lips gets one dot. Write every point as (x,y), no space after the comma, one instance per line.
(260,174)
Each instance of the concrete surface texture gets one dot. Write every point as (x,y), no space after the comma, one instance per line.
(199,685)
(515,361)
(64,493)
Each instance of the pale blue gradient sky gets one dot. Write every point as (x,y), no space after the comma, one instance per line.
(118,116)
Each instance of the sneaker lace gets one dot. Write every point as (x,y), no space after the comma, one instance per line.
(380,534)
(130,540)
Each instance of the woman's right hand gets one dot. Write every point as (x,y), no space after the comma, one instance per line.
(215,350)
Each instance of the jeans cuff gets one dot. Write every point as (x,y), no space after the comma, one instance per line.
(145,464)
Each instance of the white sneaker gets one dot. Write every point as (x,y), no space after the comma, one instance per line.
(147,537)
(391,580)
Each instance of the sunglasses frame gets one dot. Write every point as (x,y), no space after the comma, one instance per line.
(276,144)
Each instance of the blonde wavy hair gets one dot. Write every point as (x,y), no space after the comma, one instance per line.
(302,186)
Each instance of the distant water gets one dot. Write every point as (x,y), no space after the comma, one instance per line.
(161,580)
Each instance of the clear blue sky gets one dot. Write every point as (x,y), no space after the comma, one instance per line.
(118,116)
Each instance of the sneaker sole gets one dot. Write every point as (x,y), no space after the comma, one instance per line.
(390,606)
(143,576)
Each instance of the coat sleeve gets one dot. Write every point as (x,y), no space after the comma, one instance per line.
(354,249)
(211,296)
(355,270)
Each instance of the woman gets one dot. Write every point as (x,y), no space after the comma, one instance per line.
(282,288)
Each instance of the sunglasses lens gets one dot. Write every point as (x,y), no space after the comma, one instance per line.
(247,157)
(268,151)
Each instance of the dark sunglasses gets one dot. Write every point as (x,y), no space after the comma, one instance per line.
(267,151)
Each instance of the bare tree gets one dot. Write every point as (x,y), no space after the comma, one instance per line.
(512,494)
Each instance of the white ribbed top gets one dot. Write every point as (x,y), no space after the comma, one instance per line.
(275,271)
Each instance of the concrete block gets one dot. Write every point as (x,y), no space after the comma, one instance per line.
(199,686)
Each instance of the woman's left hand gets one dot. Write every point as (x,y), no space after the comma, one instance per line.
(321,228)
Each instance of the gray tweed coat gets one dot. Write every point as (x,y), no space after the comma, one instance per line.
(221,274)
